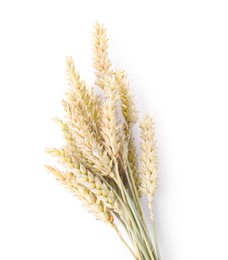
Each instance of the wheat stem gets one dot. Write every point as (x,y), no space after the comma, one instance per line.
(133,227)
(133,214)
(141,226)
(154,235)
(121,238)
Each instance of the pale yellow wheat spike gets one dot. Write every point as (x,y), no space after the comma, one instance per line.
(86,178)
(149,160)
(71,144)
(97,186)
(74,79)
(89,107)
(80,93)
(128,104)
(86,141)
(90,200)
(112,129)
(78,107)
(101,62)
(130,114)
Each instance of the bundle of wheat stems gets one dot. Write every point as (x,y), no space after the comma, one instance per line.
(99,163)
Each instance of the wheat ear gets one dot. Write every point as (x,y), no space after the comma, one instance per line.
(101,61)
(149,161)
(95,183)
(81,94)
(130,114)
(87,142)
(111,130)
(90,201)
(71,145)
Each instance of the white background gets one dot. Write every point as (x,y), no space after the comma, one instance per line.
(176,55)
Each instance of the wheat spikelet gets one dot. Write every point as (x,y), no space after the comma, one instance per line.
(66,132)
(149,160)
(63,157)
(94,205)
(101,62)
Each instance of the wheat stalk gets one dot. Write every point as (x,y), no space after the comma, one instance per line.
(99,159)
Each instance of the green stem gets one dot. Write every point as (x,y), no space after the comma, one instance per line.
(135,223)
(133,188)
(126,227)
(122,189)
(137,203)
(154,234)
(141,227)
(132,226)
(138,239)
(125,243)
(140,207)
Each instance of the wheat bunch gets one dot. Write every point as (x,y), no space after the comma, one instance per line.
(99,158)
